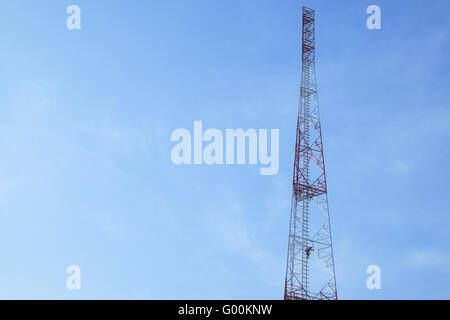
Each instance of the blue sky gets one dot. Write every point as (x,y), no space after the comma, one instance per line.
(86,176)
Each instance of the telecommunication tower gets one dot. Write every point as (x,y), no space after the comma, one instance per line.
(310,273)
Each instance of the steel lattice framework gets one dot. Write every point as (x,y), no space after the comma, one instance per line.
(310,272)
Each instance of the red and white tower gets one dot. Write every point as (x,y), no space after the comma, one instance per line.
(310,271)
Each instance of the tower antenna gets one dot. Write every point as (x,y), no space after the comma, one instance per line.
(310,273)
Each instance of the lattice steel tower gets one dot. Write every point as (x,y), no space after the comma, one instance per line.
(310,263)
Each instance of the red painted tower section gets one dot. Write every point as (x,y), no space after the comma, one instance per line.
(310,273)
